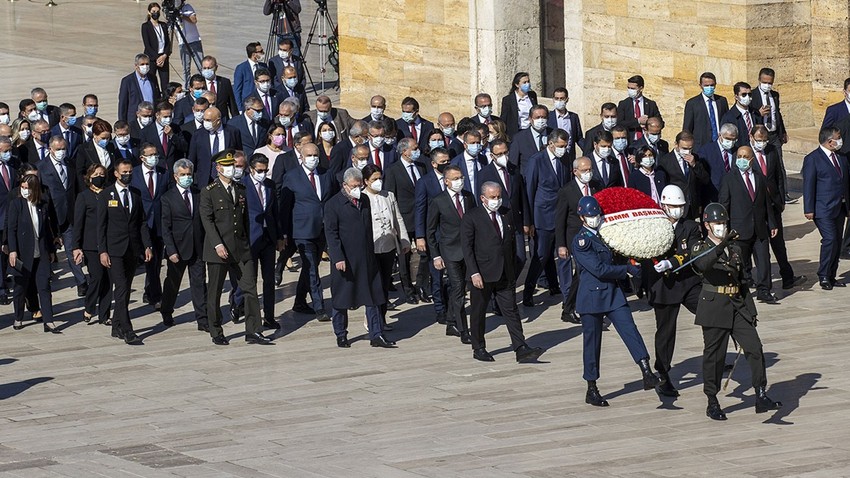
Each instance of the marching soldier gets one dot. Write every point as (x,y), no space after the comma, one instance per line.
(726,309)
(668,291)
(600,296)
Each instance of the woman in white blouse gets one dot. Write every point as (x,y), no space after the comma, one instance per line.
(388,231)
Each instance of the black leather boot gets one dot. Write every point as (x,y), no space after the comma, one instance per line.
(764,403)
(650,380)
(713,411)
(593,396)
(666,388)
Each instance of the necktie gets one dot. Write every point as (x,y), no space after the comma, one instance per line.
(124,153)
(686,168)
(230,193)
(187,201)
(750,186)
(62,175)
(126,200)
(726,161)
(586,190)
(540,142)
(268,106)
(762,163)
(638,114)
(412,173)
(625,167)
(261,195)
(68,137)
(713,117)
(413,132)
(313,182)
(495,223)
(5,173)
(356,203)
(447,140)
(150,183)
(215,147)
(164,144)
(212,86)
(289,136)
(768,118)
(506,179)
(254,131)
(603,170)
(43,152)
(458,206)
(748,121)
(835,163)
(377,158)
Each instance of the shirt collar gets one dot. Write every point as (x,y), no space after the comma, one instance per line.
(825,151)
(182,190)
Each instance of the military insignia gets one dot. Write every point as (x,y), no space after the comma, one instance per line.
(112,203)
(699,247)
(582,242)
(684,246)
(210,186)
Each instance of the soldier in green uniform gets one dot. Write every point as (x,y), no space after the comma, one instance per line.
(224,216)
(726,309)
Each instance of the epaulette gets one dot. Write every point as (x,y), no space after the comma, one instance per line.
(211,185)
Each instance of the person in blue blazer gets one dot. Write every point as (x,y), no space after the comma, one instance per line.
(285,57)
(67,128)
(136,87)
(471,161)
(206,142)
(719,157)
(243,76)
(252,126)
(825,194)
(838,111)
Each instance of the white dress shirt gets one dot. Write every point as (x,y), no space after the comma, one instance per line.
(307,172)
(35,227)
(524,108)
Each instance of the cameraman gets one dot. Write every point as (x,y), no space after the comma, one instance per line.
(189,22)
(285,23)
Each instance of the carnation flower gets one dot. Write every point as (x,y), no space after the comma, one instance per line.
(634,224)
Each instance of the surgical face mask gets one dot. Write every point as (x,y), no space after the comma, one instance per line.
(24,134)
(41,105)
(684,152)
(493,205)
(323,115)
(284,121)
(377,113)
(198,115)
(415,154)
(361,163)
(4,119)
(33,115)
(277,140)
(197,93)
(355,192)
(91,110)
(708,91)
(389,141)
(238,173)
(560,104)
(491,137)
(539,123)
(839,143)
(259,177)
(647,162)
(179,96)
(436,143)
(604,152)
(456,185)
(765,87)
(593,222)
(407,117)
(25,193)
(71,121)
(743,164)
(609,123)
(144,69)
(165,120)
(525,87)
(184,181)
(227,171)
(260,58)
(208,125)
(98,181)
(283,54)
(102,143)
(44,137)
(258,115)
(378,141)
(727,144)
(60,154)
(745,100)
(620,144)
(263,86)
(448,130)
(377,185)
(5,156)
(632,92)
(123,140)
(653,138)
(328,136)
(759,145)
(126,178)
(675,212)
(586,177)
(145,120)
(473,149)
(151,160)
(485,111)
(310,162)
(291,83)
(501,160)
(560,152)
(719,230)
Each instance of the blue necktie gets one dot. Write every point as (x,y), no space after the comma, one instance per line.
(713,118)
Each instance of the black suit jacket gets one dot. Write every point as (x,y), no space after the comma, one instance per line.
(200,152)
(775,184)
(425,129)
(615,178)
(151,42)
(513,198)
(567,221)
(20,235)
(397,180)
(63,199)
(736,117)
(249,142)
(178,148)
(85,221)
(486,250)
(182,232)
(510,112)
(751,218)
(697,119)
(693,185)
(87,156)
(299,93)
(119,233)
(225,100)
(443,234)
(626,114)
(758,102)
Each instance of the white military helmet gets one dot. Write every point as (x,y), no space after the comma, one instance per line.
(672,195)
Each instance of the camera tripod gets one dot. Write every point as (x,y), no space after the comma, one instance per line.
(174,23)
(328,50)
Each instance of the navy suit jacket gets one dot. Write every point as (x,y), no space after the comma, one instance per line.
(243,82)
(200,153)
(523,147)
(427,188)
(823,188)
(697,119)
(274,103)
(263,222)
(177,145)
(301,209)
(74,138)
(130,95)
(576,136)
(390,157)
(615,177)
(249,143)
(299,93)
(542,185)
(835,113)
(513,198)
(713,158)
(735,117)
(460,161)
(639,181)
(276,68)
(63,199)
(425,129)
(152,206)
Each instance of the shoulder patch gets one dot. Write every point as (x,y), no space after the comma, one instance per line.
(583,242)
(699,247)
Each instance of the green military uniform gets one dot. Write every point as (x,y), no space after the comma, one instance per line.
(224,216)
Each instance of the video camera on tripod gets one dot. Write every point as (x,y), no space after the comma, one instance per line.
(171,10)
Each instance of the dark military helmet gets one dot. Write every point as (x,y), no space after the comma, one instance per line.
(589,206)
(715,212)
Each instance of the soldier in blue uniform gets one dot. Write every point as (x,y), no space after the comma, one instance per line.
(600,296)
(726,309)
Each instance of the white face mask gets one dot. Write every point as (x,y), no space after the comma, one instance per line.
(593,222)
(377,141)
(684,152)
(456,185)
(355,193)
(33,116)
(719,230)
(675,212)
(25,193)
(145,120)
(745,100)
(501,161)
(647,162)
(259,177)
(283,54)
(208,125)
(727,144)
(586,177)
(377,185)
(377,113)
(264,86)
(633,93)
(360,164)
(653,138)
(238,173)
(765,87)
(759,145)
(604,152)
(328,136)
(560,152)
(310,162)
(609,123)
(493,205)
(4,119)
(123,140)
(24,134)
(539,123)
(227,171)
(560,104)
(839,143)
(485,111)
(60,154)
(199,115)
(144,69)
(151,160)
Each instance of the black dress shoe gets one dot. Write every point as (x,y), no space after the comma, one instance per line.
(82,289)
(528,302)
(794,282)
(570,316)
(132,339)
(257,338)
(342,342)
(235,313)
(168,321)
(4,299)
(483,355)
(554,292)
(278,278)
(593,397)
(764,403)
(118,334)
(525,354)
(666,388)
(424,296)
(650,380)
(838,283)
(465,338)
(392,288)
(204,328)
(767,298)
(381,341)
(714,412)
(303,309)
(441,319)
(220,340)
(452,331)
(412,299)
(271,324)
(323,317)
(825,284)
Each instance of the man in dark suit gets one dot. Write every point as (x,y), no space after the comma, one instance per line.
(61,182)
(608,115)
(136,87)
(766,102)
(838,111)
(144,117)
(47,112)
(566,120)
(530,141)
(37,147)
(411,125)
(195,120)
(487,241)
(125,147)
(400,178)
(380,154)
(634,111)
(341,152)
(743,114)
(767,161)
(165,136)
(224,216)
(687,171)
(252,125)
(124,236)
(825,191)
(471,160)
(66,127)
(703,112)
(183,111)
(652,138)
(303,195)
(326,113)
(719,158)
(225,99)
(151,180)
(286,58)
(183,236)
(267,95)
(288,87)
(484,109)
(355,278)
(293,123)
(207,142)
(377,107)
(427,188)
(606,171)
(744,194)
(622,155)
(8,181)
(444,218)
(544,177)
(243,76)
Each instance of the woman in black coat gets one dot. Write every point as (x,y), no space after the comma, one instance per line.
(99,292)
(31,250)
(89,153)
(155,32)
(516,118)
(646,178)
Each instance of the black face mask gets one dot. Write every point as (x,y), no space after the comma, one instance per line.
(126,178)
(98,181)
(44,137)
(155,15)
(442,167)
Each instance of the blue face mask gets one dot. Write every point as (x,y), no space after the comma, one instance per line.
(525,87)
(291,82)
(184,181)
(91,110)
(434,144)
(742,163)
(5,156)
(102,143)
(414,155)
(197,93)
(708,90)
(72,121)
(473,149)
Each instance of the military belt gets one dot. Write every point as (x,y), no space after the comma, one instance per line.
(722,289)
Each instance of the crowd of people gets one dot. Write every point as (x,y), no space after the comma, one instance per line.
(234,179)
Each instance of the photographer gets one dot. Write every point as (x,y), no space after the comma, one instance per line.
(285,23)
(192,46)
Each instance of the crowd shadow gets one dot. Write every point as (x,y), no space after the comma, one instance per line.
(9,390)
(797,231)
(7,361)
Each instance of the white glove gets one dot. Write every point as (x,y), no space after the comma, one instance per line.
(662,266)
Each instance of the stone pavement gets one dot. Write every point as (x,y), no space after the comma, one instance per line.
(82,404)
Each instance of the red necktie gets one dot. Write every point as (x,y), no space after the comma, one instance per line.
(212,87)
(150,183)
(748,120)
(750,186)
(413,132)
(762,163)
(313,182)
(289,137)
(586,191)
(458,205)
(378,158)
(5,173)
(447,140)
(835,163)
(625,167)
(496,223)
(638,114)
(726,160)
(164,144)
